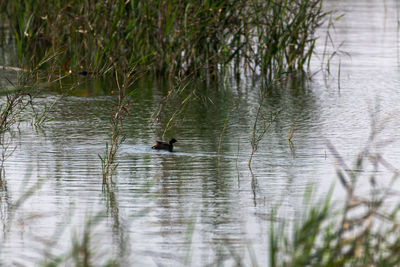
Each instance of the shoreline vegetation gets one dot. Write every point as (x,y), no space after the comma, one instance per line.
(206,39)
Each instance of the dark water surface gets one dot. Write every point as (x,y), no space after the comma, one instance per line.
(196,206)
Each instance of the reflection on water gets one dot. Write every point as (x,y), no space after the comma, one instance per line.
(195,206)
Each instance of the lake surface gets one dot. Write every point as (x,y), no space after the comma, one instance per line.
(200,205)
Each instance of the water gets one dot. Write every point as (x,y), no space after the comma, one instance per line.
(196,206)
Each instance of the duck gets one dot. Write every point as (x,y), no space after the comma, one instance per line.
(164,145)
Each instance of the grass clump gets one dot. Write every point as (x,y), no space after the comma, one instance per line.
(85,248)
(363,232)
(167,37)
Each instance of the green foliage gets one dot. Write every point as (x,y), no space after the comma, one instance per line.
(166,37)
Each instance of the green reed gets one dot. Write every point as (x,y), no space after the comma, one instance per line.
(165,37)
(119,112)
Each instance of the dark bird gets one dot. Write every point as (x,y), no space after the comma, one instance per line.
(164,145)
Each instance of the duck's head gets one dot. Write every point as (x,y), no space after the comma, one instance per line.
(172,140)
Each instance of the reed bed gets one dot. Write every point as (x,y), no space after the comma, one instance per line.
(166,37)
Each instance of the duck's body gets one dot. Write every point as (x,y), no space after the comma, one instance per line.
(164,145)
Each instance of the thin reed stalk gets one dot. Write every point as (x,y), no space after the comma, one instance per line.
(261,124)
(121,109)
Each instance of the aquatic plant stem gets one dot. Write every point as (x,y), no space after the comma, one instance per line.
(121,110)
(253,141)
(260,126)
(222,134)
